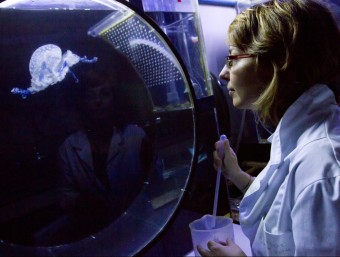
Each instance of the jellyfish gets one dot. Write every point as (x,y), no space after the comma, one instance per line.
(49,66)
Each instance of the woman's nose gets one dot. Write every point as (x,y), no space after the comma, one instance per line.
(225,74)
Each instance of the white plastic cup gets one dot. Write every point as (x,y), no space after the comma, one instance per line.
(202,231)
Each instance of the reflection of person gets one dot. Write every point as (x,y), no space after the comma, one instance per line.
(283,54)
(103,163)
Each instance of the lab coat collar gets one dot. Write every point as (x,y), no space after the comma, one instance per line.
(301,115)
(82,146)
(295,125)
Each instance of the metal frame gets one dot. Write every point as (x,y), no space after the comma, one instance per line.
(228,3)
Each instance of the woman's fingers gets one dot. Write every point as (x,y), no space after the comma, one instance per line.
(203,252)
(213,246)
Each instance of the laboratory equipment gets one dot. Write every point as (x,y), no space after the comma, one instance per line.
(180,21)
(211,228)
(33,221)
(218,176)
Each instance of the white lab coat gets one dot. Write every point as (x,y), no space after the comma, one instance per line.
(124,172)
(123,164)
(293,206)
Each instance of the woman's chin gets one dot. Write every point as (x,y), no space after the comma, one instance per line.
(242,104)
(237,104)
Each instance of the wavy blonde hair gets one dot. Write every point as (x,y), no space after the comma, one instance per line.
(298,39)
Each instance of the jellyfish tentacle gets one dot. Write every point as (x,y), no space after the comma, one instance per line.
(86,60)
(73,75)
(23,92)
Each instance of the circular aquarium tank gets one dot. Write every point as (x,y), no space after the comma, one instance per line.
(97,134)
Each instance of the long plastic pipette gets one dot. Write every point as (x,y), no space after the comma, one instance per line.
(219,170)
(218,178)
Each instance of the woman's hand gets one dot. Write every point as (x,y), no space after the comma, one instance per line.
(221,249)
(230,167)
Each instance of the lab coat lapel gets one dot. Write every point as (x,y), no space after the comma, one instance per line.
(252,209)
(116,145)
(288,134)
(83,149)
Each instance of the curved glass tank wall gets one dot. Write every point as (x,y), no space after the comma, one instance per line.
(97,134)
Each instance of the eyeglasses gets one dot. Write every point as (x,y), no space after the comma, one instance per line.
(230,58)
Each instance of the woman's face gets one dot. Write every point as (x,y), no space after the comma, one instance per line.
(100,103)
(245,82)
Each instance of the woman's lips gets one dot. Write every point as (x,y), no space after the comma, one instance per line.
(231,91)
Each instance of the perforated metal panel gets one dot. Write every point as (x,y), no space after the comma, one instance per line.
(144,48)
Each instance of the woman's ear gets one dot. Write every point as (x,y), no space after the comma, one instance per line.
(266,69)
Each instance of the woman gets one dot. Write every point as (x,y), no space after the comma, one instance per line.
(283,54)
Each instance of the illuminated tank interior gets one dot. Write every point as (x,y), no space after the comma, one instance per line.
(72,75)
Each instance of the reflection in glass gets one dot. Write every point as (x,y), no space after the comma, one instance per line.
(102,161)
(103,164)
(56,144)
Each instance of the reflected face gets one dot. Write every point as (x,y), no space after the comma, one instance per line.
(246,83)
(100,102)
(33,223)
(99,97)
